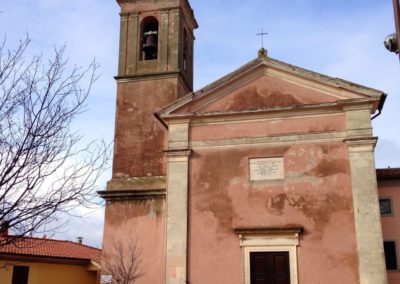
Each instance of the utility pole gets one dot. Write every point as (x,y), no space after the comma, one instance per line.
(396,9)
(392,42)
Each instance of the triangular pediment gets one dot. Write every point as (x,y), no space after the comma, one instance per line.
(262,92)
(266,84)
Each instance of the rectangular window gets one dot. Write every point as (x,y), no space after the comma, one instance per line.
(20,275)
(390,255)
(385,205)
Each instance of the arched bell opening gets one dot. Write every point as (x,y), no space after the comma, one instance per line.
(149,39)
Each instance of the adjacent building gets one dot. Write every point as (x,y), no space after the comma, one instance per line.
(45,261)
(389,201)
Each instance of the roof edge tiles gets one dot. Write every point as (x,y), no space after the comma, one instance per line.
(51,249)
(388,174)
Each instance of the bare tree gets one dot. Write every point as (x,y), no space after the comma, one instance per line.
(121,262)
(44,169)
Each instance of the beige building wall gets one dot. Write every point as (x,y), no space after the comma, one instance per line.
(48,273)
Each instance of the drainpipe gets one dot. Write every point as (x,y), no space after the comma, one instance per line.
(380,106)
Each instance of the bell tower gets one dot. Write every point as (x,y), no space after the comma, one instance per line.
(155,68)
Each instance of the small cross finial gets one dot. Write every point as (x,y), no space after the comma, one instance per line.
(262,34)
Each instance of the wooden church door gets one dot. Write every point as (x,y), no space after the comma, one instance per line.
(269,268)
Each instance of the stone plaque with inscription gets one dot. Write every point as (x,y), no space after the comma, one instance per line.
(266,169)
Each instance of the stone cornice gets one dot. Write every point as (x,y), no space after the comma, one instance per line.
(137,183)
(184,152)
(299,110)
(360,144)
(146,76)
(269,230)
(154,75)
(182,5)
(119,195)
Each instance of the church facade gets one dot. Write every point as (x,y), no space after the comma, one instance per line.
(266,175)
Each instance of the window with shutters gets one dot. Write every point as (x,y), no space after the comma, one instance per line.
(269,267)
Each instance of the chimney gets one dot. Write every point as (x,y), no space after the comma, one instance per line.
(79,240)
(4,226)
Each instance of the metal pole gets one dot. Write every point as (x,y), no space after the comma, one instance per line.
(396,7)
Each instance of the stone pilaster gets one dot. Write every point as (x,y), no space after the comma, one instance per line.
(164,26)
(132,43)
(174,37)
(123,44)
(371,257)
(177,204)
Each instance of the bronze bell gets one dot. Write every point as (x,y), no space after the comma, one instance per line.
(150,43)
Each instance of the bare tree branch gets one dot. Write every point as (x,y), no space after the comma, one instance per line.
(122,262)
(44,170)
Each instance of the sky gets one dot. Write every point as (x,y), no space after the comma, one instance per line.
(339,38)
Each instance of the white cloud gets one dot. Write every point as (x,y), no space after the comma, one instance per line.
(88,224)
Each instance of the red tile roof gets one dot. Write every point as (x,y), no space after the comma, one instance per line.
(389,173)
(35,247)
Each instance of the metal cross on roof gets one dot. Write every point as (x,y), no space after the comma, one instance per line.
(262,34)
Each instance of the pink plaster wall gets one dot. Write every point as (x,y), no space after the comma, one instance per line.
(390,224)
(139,137)
(316,194)
(263,92)
(229,130)
(142,221)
